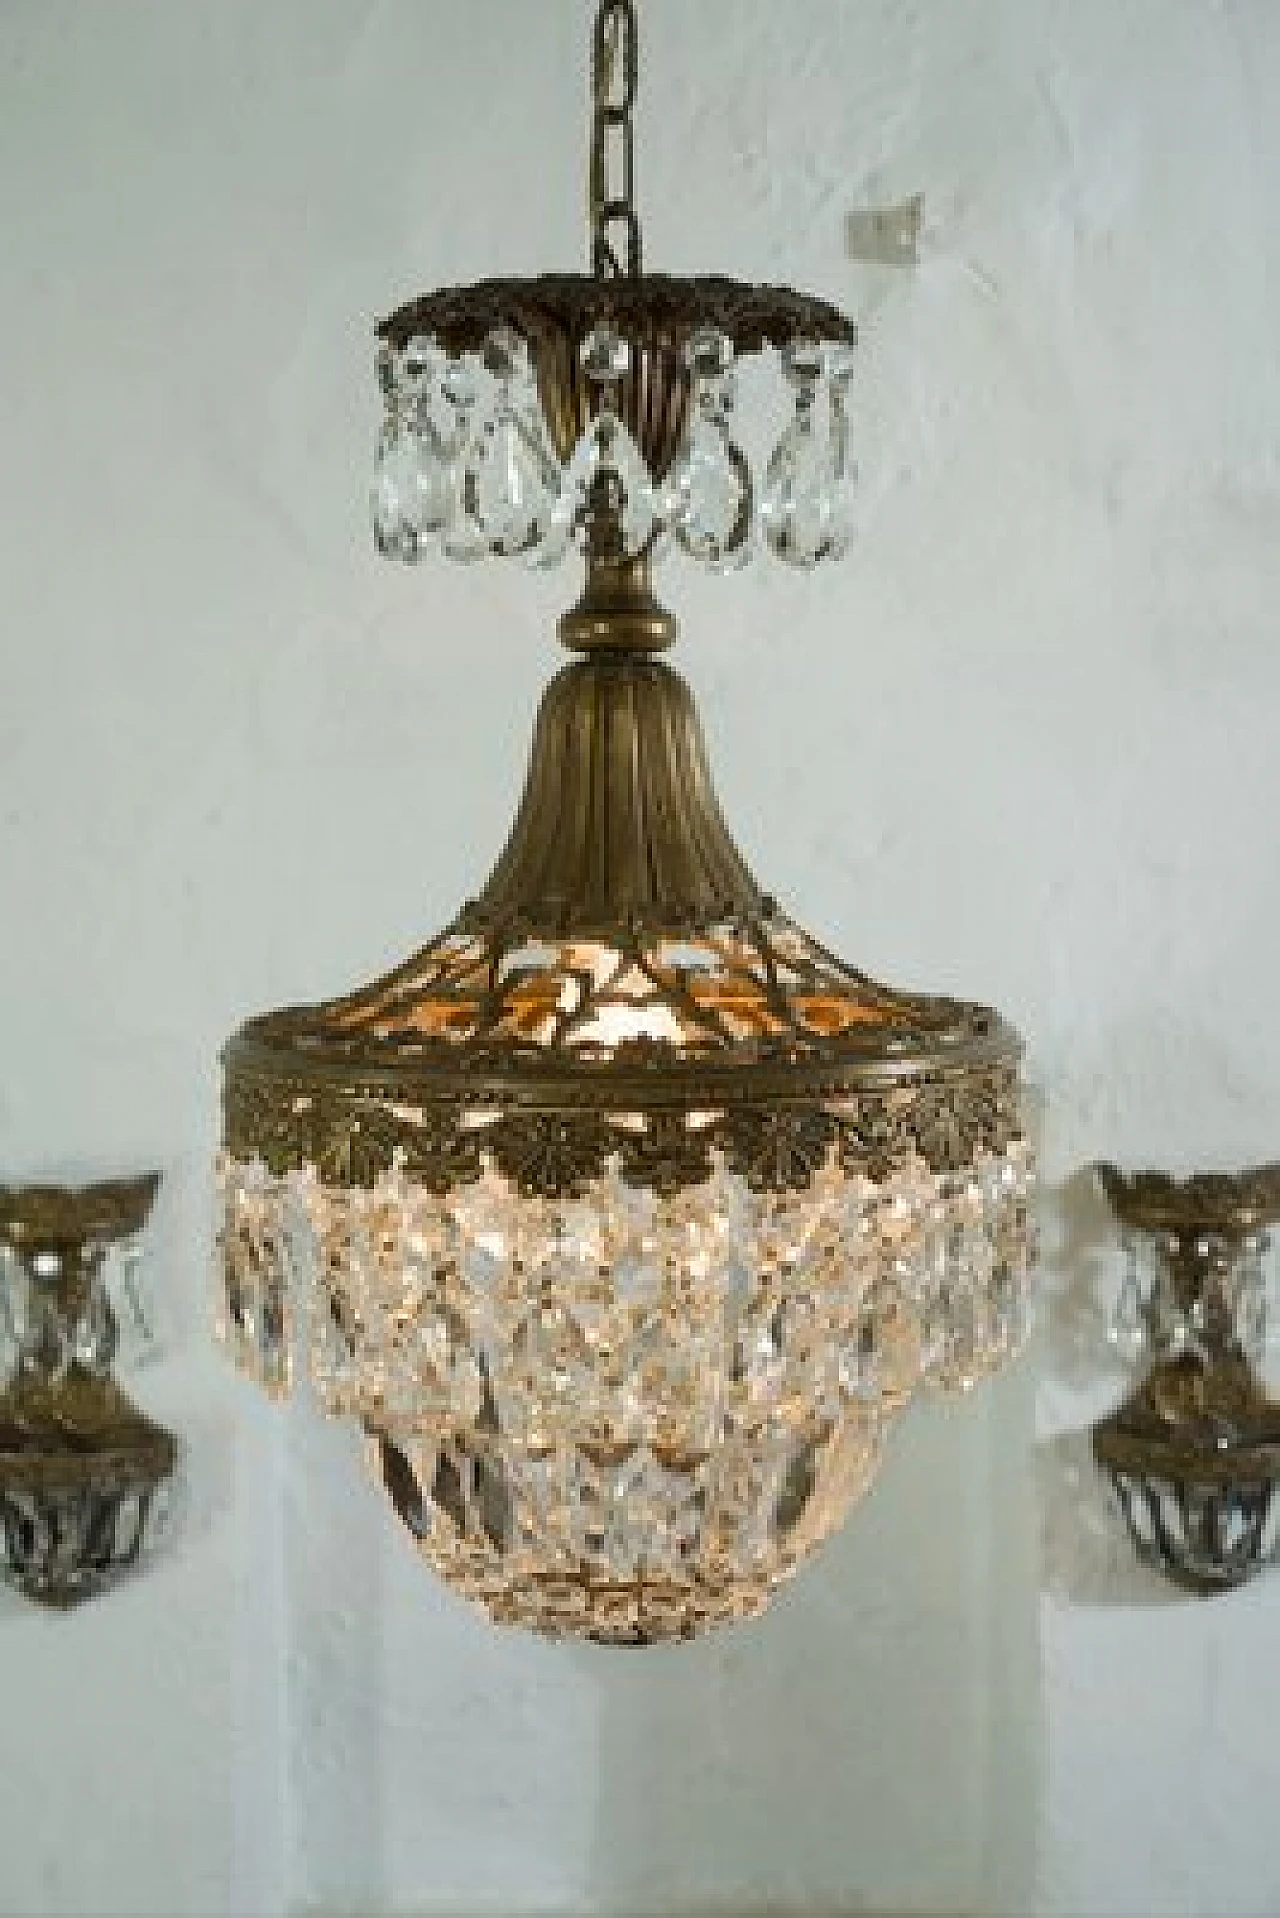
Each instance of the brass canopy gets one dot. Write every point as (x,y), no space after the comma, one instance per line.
(621,904)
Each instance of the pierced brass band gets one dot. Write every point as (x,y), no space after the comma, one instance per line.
(351,1131)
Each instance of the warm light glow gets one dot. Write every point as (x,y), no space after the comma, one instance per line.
(625,1414)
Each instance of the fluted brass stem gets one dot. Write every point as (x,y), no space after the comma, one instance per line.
(619,820)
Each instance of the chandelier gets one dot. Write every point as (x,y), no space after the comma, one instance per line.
(623,1216)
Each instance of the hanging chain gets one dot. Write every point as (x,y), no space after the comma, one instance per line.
(615,68)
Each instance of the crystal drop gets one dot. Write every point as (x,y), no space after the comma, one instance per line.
(806,508)
(1167,1326)
(760,1356)
(964,1356)
(419,438)
(840,365)
(606,472)
(94,1344)
(607,468)
(1010,1313)
(142,1328)
(421,364)
(335,1370)
(504,354)
(1253,1324)
(512,473)
(605,354)
(860,1360)
(12,1313)
(464,533)
(1127,1328)
(410,493)
(709,354)
(707,500)
(802,362)
(637,1279)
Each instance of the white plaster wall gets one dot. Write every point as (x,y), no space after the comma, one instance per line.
(1022,745)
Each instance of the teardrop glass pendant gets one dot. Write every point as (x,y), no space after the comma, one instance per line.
(409,498)
(1127,1330)
(707,502)
(465,537)
(513,473)
(808,496)
(605,458)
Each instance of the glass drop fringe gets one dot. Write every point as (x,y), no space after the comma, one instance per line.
(465,463)
(621,1415)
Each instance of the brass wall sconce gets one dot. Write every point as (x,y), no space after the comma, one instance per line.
(84,1475)
(1194,1452)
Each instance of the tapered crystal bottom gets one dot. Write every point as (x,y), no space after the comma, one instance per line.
(624,1415)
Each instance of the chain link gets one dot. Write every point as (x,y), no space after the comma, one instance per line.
(615,70)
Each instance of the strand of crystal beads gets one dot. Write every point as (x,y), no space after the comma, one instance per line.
(465,461)
(679,1395)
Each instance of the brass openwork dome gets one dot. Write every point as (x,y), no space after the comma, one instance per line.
(624,1216)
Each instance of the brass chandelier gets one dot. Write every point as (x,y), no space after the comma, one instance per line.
(623,1216)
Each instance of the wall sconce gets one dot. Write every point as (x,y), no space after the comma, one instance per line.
(1194,1452)
(84,1475)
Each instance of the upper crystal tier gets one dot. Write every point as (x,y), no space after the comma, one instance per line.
(515,425)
